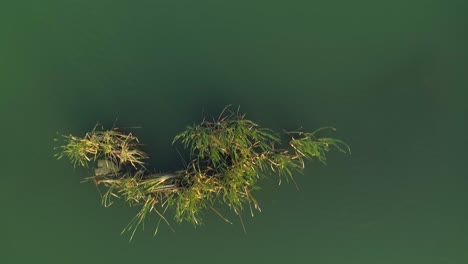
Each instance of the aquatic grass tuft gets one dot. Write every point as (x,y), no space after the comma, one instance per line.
(228,157)
(111,145)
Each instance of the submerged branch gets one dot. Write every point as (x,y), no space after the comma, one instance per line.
(228,158)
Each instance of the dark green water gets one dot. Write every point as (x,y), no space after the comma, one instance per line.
(391,76)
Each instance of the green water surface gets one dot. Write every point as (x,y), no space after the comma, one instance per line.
(391,76)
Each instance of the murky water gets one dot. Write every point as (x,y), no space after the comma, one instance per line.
(390,76)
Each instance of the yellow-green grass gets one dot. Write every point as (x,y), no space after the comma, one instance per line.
(228,156)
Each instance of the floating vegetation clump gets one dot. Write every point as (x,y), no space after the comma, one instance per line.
(228,156)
